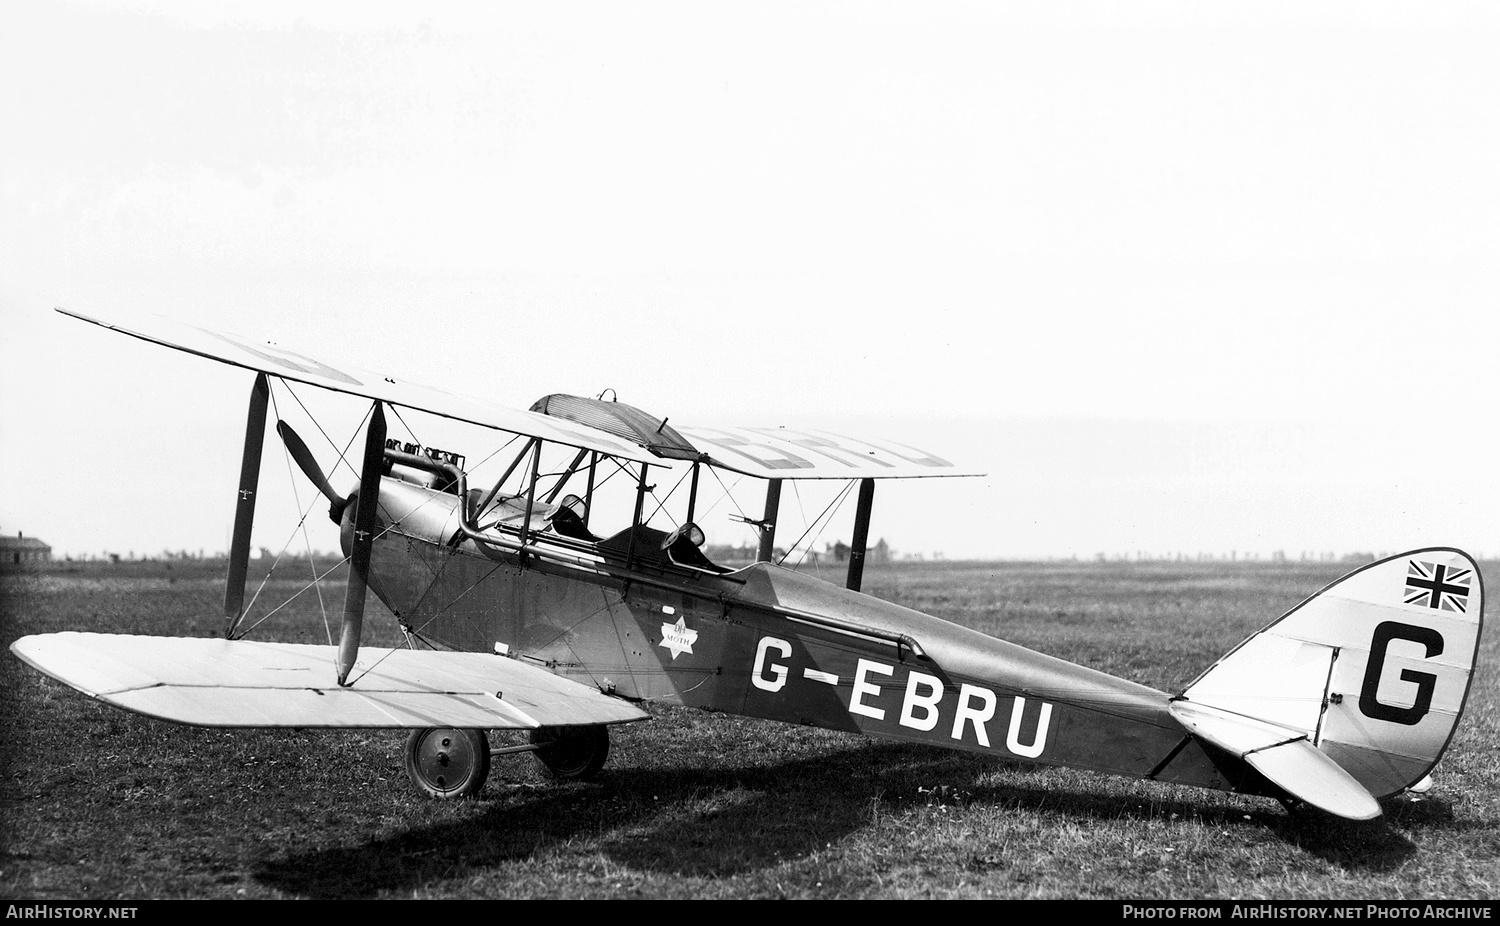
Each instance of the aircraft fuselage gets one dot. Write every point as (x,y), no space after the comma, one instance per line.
(769,642)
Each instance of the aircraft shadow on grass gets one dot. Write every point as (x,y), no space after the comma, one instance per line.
(693,822)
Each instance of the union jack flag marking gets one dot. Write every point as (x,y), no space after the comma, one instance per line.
(1436,586)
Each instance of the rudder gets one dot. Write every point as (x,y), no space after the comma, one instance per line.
(1374,669)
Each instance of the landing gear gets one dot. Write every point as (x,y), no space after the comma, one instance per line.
(572,753)
(448,763)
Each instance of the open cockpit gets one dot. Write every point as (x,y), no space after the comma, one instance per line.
(585,501)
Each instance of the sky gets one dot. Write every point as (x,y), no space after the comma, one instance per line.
(1177,277)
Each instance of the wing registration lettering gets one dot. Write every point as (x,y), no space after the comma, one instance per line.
(761,453)
(790,453)
(909,454)
(823,445)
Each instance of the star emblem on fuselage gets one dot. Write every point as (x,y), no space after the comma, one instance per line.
(678,638)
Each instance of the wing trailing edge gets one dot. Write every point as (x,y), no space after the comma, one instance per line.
(243,683)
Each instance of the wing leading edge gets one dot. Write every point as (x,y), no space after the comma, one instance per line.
(610,428)
(243,683)
(273,360)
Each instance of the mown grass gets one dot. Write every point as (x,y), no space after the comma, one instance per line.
(97,803)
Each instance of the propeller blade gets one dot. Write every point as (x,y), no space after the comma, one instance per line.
(310,468)
(361,544)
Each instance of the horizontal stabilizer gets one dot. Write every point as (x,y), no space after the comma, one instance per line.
(243,683)
(1285,757)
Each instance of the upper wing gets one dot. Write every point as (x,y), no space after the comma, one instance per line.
(243,683)
(788,453)
(766,453)
(610,428)
(275,361)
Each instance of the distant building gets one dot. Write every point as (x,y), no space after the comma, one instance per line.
(879,552)
(21,550)
(723,553)
(838,551)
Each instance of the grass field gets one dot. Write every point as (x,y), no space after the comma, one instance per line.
(97,803)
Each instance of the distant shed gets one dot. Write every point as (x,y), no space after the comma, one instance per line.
(21,550)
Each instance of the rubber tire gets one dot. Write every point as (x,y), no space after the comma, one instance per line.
(572,753)
(447,763)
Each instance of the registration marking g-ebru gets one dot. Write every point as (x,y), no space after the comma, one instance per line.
(921,702)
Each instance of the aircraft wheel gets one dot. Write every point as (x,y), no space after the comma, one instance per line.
(572,753)
(447,763)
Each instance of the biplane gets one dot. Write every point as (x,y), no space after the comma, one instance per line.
(522,610)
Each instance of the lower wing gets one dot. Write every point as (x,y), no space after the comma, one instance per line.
(242,683)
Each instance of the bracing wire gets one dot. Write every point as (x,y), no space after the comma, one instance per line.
(729,494)
(301,526)
(496,451)
(827,513)
(662,501)
(343,453)
(293,597)
(409,430)
(302,520)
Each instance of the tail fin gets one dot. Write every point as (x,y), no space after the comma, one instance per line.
(1373,671)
